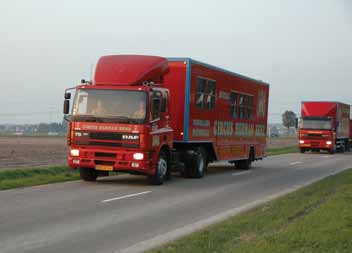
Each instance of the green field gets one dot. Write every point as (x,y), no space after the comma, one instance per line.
(281,151)
(317,218)
(13,178)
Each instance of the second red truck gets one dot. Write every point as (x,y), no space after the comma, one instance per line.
(324,126)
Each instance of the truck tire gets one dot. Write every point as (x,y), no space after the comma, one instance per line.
(88,174)
(247,163)
(162,169)
(198,164)
(302,150)
(332,151)
(243,164)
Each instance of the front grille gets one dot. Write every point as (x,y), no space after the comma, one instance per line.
(107,144)
(107,155)
(109,163)
(315,144)
(315,135)
(105,136)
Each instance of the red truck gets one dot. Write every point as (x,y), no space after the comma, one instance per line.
(350,133)
(150,115)
(324,126)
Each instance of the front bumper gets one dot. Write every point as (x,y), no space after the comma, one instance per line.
(316,144)
(112,160)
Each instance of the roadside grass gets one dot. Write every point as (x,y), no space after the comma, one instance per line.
(281,151)
(14,178)
(317,218)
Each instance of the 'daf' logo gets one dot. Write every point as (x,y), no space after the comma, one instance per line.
(130,137)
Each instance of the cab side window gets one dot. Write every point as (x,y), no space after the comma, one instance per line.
(155,105)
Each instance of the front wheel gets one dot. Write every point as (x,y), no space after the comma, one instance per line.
(88,174)
(302,150)
(162,169)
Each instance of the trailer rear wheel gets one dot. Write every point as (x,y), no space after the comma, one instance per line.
(88,174)
(243,164)
(247,163)
(198,164)
(162,169)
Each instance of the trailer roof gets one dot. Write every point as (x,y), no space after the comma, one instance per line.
(190,60)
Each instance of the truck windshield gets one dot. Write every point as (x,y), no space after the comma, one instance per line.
(120,106)
(316,123)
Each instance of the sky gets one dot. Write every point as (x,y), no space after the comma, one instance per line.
(302,48)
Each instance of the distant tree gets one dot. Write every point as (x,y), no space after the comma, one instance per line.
(43,128)
(289,119)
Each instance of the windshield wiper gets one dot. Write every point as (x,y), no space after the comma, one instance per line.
(107,118)
(119,118)
(88,118)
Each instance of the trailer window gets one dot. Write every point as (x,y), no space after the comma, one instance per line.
(233,104)
(242,107)
(210,95)
(246,106)
(205,93)
(201,83)
(250,107)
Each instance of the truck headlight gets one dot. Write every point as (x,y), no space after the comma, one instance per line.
(301,141)
(328,142)
(138,156)
(74,152)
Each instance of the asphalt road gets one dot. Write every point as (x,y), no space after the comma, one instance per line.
(118,212)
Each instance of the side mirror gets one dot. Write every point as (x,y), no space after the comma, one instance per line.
(296,123)
(66,106)
(67,95)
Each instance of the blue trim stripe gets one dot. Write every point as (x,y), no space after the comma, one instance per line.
(187,99)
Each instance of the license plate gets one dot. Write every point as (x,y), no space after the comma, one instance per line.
(104,167)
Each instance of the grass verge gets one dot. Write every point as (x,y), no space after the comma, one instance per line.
(281,151)
(15,178)
(317,218)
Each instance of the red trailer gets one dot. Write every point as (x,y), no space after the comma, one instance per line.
(324,126)
(350,132)
(151,115)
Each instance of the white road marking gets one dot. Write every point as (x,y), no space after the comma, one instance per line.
(126,196)
(241,173)
(294,163)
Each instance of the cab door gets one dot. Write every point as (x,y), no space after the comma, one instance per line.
(161,133)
